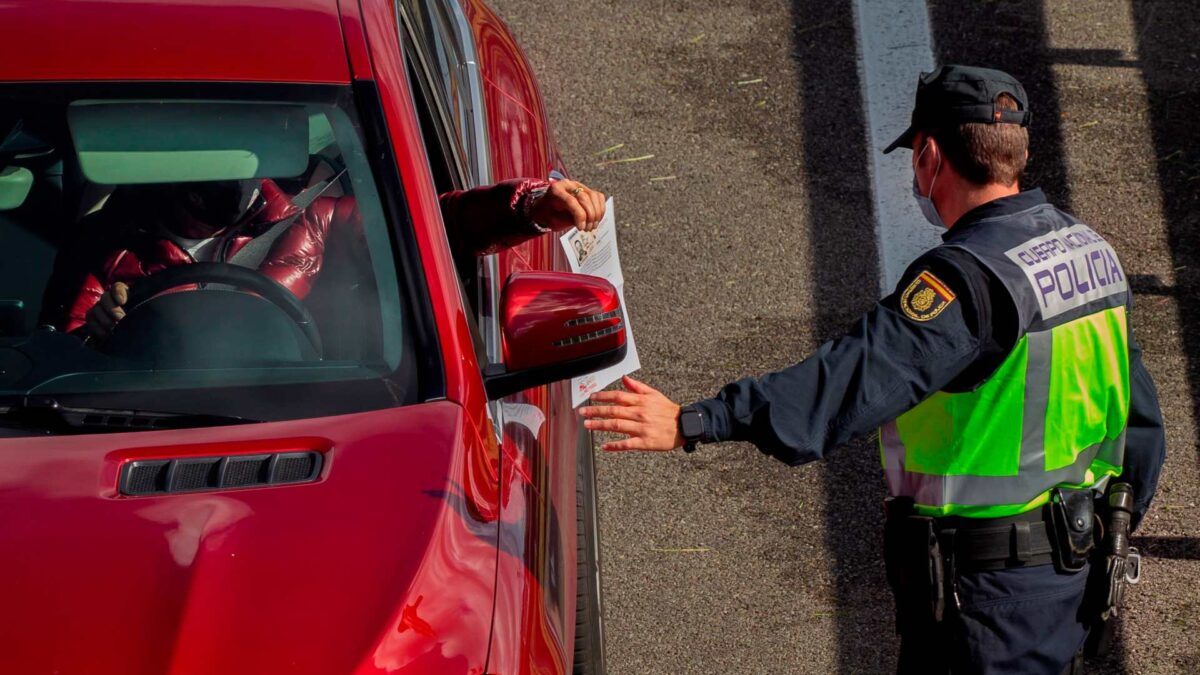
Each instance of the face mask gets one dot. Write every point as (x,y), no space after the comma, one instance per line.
(923,201)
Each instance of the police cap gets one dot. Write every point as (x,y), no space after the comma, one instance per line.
(953,95)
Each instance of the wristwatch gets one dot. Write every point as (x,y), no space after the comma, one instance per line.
(691,427)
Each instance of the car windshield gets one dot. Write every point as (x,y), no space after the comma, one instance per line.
(198,250)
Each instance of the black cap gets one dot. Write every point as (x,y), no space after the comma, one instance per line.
(954,95)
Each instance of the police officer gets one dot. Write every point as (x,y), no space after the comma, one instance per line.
(1005,385)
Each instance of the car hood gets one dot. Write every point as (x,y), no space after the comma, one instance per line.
(386,563)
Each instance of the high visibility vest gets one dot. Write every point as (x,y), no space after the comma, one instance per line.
(1054,412)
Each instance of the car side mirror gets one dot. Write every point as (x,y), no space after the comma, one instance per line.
(555,326)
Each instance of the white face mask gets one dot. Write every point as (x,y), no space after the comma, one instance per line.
(923,201)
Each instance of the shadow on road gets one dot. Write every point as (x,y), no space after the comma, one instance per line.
(1169,548)
(1167,32)
(842,245)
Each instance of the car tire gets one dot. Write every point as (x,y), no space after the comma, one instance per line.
(589,615)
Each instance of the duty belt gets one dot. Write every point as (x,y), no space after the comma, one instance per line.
(978,545)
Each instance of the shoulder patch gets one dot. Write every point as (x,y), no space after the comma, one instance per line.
(925,297)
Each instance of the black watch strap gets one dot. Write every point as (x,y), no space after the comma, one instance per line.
(691,427)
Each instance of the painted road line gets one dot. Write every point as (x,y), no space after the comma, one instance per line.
(894,47)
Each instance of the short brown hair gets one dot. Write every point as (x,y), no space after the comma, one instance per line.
(987,153)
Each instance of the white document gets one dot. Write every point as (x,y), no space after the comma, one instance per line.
(595,253)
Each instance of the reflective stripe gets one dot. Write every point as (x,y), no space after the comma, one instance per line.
(1037,397)
(893,458)
(934,490)
(1112,452)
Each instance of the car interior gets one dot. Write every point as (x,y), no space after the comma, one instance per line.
(81,180)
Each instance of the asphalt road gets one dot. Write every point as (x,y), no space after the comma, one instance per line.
(748,238)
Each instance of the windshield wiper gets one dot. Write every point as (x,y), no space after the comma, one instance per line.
(45,414)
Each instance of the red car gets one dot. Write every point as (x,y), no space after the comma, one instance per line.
(381,473)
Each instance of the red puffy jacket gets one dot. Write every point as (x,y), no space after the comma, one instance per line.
(481,221)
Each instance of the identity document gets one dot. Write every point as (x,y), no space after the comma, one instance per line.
(595,253)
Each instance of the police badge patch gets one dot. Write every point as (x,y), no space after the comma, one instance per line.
(925,297)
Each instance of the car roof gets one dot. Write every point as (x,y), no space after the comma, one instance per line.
(213,40)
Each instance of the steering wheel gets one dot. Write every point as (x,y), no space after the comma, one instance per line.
(240,278)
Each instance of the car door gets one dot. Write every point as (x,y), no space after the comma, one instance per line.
(480,134)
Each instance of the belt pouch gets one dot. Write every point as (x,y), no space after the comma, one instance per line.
(1072,518)
(915,570)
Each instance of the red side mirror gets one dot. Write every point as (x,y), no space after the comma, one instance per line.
(556,325)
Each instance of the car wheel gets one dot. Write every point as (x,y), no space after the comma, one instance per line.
(589,619)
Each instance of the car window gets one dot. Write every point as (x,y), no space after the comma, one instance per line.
(448,63)
(261,268)
(447,175)
(440,47)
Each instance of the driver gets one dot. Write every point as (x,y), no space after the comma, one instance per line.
(213,221)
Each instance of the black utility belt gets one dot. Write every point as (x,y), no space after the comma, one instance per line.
(998,543)
(1059,533)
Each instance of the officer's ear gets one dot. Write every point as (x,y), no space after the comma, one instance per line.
(927,154)
(933,153)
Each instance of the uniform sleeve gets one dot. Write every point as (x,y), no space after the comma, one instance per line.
(908,346)
(1145,440)
(489,218)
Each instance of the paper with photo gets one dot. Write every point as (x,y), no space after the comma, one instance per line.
(595,253)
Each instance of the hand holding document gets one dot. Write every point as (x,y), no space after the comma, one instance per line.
(595,253)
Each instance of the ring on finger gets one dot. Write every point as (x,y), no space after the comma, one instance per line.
(576,191)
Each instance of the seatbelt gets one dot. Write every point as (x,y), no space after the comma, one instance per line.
(255,251)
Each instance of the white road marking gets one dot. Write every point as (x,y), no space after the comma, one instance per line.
(894,47)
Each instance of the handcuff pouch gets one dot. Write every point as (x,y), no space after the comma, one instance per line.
(1072,514)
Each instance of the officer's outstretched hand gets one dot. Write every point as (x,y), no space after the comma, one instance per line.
(648,419)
